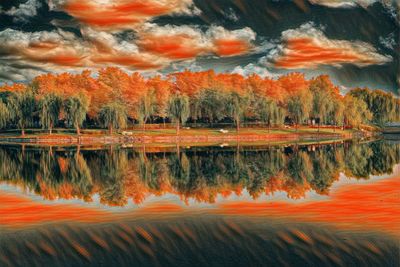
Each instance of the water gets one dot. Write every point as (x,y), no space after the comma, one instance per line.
(326,204)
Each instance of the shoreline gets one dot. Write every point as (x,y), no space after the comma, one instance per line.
(87,139)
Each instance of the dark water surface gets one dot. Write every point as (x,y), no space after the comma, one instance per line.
(330,204)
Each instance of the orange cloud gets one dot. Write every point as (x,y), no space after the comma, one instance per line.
(179,46)
(122,14)
(308,47)
(304,52)
(231,47)
(135,61)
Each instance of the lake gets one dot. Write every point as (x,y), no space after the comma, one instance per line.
(322,204)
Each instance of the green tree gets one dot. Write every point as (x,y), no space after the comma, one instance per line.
(322,99)
(147,107)
(178,109)
(211,105)
(382,105)
(299,106)
(75,108)
(22,108)
(50,109)
(336,114)
(269,112)
(112,116)
(236,106)
(355,111)
(4,115)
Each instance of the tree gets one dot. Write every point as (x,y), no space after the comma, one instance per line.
(112,116)
(4,115)
(22,107)
(211,105)
(178,109)
(355,111)
(382,105)
(269,112)
(321,89)
(336,114)
(50,109)
(75,108)
(147,107)
(236,106)
(299,106)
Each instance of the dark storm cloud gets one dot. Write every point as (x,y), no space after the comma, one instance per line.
(170,35)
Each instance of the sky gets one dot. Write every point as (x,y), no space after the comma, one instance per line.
(355,42)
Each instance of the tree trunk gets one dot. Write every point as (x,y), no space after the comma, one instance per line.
(269,126)
(51,128)
(23,132)
(319,124)
(237,125)
(344,124)
(164,122)
(177,127)
(110,129)
(78,130)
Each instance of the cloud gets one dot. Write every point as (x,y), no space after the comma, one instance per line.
(57,47)
(308,47)
(23,11)
(122,14)
(343,3)
(389,41)
(151,48)
(186,42)
(392,6)
(173,42)
(251,68)
(231,43)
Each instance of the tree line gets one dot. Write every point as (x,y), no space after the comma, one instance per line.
(112,99)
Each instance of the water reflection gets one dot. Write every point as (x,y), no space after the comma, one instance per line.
(118,175)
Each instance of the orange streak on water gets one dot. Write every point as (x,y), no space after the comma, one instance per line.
(362,206)
(357,206)
(16,210)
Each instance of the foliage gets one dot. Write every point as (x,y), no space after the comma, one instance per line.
(22,106)
(383,106)
(212,97)
(178,109)
(211,104)
(112,116)
(76,108)
(236,106)
(146,107)
(50,109)
(356,111)
(299,106)
(4,115)
(269,112)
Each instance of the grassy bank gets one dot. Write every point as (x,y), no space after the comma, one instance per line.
(163,136)
(183,132)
